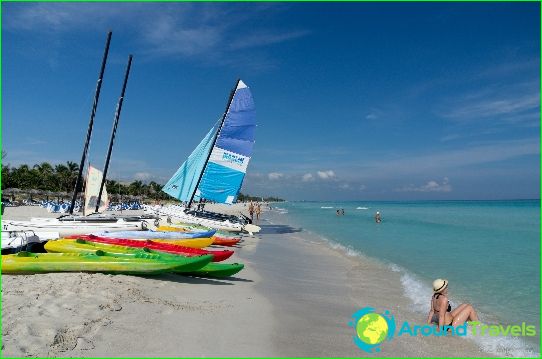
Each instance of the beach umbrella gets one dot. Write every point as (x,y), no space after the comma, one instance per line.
(47,194)
(33,192)
(11,192)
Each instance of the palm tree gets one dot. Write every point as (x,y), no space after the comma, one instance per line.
(45,174)
(73,169)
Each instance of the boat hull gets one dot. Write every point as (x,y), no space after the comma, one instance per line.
(163,247)
(69,228)
(217,270)
(32,263)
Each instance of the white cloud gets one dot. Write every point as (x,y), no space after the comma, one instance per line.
(142,176)
(344,186)
(362,187)
(430,186)
(308,177)
(273,176)
(325,175)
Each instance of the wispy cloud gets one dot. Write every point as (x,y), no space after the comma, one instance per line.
(307,177)
(509,105)
(266,38)
(206,32)
(430,186)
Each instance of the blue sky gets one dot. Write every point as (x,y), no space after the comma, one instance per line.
(358,101)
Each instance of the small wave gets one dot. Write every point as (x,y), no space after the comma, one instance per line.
(362,207)
(325,207)
(348,250)
(418,293)
(280,210)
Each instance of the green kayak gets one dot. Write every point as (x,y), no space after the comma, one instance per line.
(210,269)
(184,264)
(99,261)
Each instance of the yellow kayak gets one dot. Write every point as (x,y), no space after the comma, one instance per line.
(192,243)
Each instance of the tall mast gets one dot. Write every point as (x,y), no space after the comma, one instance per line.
(214,141)
(114,130)
(91,122)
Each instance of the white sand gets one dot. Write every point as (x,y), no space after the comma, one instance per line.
(294,298)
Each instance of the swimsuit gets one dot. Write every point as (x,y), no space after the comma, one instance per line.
(435,317)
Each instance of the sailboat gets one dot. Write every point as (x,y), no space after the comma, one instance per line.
(215,170)
(92,192)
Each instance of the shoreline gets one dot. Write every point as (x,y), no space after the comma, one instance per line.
(407,302)
(295,297)
(338,287)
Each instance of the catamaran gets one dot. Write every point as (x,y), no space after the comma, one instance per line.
(215,170)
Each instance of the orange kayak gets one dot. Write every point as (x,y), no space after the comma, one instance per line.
(225,241)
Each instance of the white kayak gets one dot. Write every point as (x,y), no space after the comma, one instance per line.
(15,240)
(68,228)
(176,213)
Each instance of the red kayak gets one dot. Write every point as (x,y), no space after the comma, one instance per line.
(225,241)
(219,256)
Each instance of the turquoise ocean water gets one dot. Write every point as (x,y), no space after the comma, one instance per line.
(488,250)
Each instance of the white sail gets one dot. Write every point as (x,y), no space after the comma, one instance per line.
(92,189)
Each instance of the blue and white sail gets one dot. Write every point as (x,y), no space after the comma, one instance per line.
(225,164)
(183,183)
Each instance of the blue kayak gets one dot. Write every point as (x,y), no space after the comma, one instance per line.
(156,234)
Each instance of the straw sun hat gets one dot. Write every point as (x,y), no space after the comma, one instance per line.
(439,285)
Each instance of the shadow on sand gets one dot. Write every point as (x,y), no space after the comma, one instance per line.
(278,229)
(181,278)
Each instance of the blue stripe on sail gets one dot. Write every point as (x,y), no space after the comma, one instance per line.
(237,132)
(242,101)
(219,182)
(240,132)
(237,146)
(184,181)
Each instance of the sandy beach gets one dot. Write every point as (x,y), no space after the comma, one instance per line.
(295,297)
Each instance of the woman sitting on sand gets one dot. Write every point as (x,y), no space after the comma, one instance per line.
(441,312)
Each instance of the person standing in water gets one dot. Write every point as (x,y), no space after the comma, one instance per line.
(378,218)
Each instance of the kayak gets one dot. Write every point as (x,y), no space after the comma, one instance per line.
(225,241)
(67,228)
(192,243)
(218,270)
(30,263)
(157,234)
(183,228)
(185,264)
(181,242)
(162,247)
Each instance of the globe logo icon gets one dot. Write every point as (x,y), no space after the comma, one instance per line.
(372,328)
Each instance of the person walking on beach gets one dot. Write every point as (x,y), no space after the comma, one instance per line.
(378,219)
(251,211)
(441,312)
(258,211)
